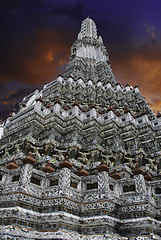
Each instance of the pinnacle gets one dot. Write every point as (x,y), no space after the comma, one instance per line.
(89,58)
(88,29)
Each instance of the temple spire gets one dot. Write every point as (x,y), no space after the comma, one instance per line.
(89,58)
(88,29)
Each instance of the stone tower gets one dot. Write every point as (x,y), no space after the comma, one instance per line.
(89,58)
(81,158)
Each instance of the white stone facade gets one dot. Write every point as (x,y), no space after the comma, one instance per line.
(81,158)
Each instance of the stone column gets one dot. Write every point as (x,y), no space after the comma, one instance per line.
(140,184)
(26,173)
(1,129)
(45,182)
(93,112)
(47,109)
(7,177)
(75,110)
(64,180)
(26,170)
(38,104)
(103,182)
(57,107)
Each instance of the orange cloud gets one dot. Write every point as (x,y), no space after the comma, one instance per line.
(42,60)
(144,71)
(9,101)
(49,56)
(5,102)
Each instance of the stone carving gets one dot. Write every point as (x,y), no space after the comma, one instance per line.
(83,117)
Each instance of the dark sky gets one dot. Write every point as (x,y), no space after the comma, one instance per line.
(36,37)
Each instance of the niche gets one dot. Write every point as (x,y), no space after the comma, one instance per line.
(92,186)
(130,188)
(15,178)
(35,181)
(54,182)
(73,184)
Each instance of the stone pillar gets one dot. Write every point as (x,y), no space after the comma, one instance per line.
(103,182)
(140,184)
(45,183)
(75,110)
(93,112)
(1,129)
(8,120)
(38,104)
(64,180)
(47,110)
(26,173)
(111,114)
(57,107)
(82,186)
(26,170)
(7,178)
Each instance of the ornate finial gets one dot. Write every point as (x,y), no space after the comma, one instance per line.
(88,29)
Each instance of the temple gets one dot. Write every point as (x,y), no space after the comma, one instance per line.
(81,158)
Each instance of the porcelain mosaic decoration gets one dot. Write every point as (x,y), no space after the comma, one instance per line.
(81,158)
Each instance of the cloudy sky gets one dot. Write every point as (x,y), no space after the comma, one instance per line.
(36,36)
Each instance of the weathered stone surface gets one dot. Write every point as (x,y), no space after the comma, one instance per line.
(78,120)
